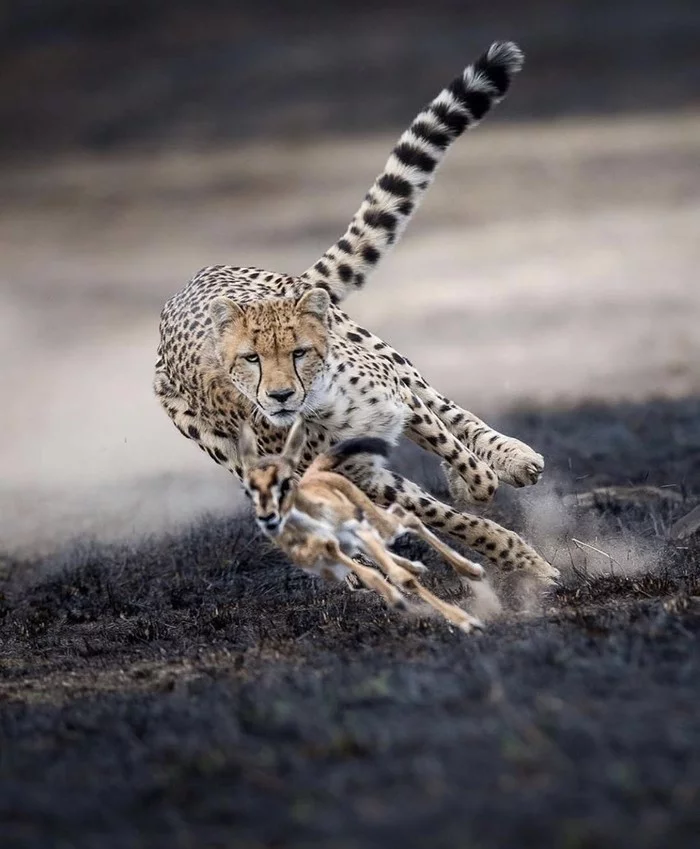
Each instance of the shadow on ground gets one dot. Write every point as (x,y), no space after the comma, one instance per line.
(196,691)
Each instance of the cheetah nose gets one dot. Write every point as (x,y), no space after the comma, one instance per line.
(280,395)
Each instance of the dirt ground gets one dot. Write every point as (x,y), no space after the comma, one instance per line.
(166,679)
(196,691)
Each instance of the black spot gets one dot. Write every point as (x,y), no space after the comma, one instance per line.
(322,268)
(497,75)
(452,119)
(413,157)
(353,337)
(344,272)
(389,494)
(395,185)
(378,219)
(397,358)
(344,246)
(478,103)
(405,207)
(220,456)
(370,254)
(428,133)
(193,432)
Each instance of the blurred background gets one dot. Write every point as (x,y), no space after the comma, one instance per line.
(553,263)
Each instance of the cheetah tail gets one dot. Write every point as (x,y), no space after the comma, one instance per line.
(398,190)
(329,461)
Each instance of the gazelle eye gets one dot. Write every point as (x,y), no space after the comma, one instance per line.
(251,358)
(298,353)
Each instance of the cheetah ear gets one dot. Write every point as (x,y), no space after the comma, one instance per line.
(224,312)
(296,439)
(316,302)
(247,446)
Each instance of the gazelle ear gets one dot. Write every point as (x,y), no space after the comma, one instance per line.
(224,312)
(296,439)
(316,302)
(247,446)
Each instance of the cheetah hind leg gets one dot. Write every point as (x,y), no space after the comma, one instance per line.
(503,548)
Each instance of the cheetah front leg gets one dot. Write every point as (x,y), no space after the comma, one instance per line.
(514,462)
(470,478)
(220,447)
(503,548)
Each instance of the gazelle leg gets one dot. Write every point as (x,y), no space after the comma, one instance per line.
(406,579)
(414,525)
(369,577)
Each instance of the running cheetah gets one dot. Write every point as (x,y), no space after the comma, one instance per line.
(243,344)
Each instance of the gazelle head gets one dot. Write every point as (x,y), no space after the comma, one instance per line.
(269,481)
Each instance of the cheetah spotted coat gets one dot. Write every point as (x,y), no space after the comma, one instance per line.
(363,386)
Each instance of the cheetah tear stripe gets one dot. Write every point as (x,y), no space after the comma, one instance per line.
(409,171)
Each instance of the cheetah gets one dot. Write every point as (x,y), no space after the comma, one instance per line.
(247,345)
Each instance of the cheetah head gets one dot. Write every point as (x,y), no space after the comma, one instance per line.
(274,350)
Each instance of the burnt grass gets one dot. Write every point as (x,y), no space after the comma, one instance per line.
(196,691)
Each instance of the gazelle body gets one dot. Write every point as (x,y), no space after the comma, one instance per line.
(322,520)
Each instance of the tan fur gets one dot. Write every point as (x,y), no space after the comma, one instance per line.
(322,519)
(268,349)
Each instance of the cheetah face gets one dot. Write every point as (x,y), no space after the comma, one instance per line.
(274,351)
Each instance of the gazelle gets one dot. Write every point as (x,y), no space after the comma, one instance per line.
(322,520)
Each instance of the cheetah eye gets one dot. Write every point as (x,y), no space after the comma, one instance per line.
(284,488)
(251,358)
(298,353)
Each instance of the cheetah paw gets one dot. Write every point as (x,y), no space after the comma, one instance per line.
(540,568)
(518,465)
